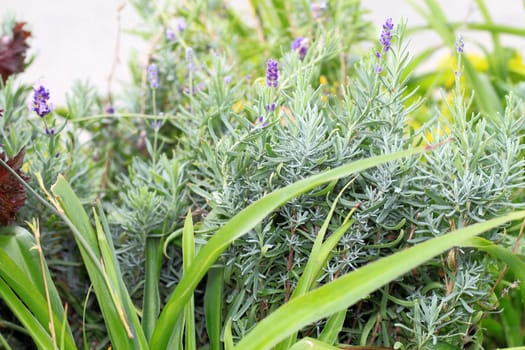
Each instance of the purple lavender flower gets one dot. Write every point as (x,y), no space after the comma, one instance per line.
(110,109)
(300,45)
(50,132)
(170,35)
(386,34)
(261,122)
(227,79)
(190,54)
(40,103)
(379,69)
(460,45)
(153,76)
(270,108)
(181,24)
(156,124)
(1,112)
(318,9)
(272,73)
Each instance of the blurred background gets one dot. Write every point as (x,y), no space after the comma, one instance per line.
(75,39)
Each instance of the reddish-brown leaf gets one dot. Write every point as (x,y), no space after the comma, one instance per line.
(12,192)
(13,51)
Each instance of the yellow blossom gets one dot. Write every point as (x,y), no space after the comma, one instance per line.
(238,107)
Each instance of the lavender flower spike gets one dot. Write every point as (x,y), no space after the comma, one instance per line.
(272,73)
(40,103)
(460,45)
(181,24)
(386,34)
(300,45)
(170,35)
(318,8)
(153,77)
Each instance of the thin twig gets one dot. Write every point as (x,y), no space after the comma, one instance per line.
(116,59)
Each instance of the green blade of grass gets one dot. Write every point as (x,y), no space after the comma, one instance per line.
(349,289)
(117,308)
(38,332)
(21,269)
(151,300)
(228,338)
(213,299)
(188,254)
(333,327)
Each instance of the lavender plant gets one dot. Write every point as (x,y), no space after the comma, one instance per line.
(400,203)
(311,212)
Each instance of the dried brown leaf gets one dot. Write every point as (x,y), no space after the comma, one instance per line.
(12,192)
(13,51)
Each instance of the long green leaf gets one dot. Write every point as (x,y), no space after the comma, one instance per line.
(333,327)
(228,337)
(241,224)
(151,300)
(20,268)
(349,289)
(117,308)
(188,254)
(213,299)
(38,332)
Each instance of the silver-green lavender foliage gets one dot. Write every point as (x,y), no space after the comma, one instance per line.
(151,206)
(468,179)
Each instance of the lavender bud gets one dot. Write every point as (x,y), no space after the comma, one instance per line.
(386,34)
(318,9)
(170,35)
(261,122)
(153,77)
(300,45)
(460,45)
(189,58)
(156,124)
(181,24)
(272,73)
(270,108)
(40,103)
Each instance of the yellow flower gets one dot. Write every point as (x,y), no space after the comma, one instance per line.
(238,107)
(479,62)
(516,64)
(323,80)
